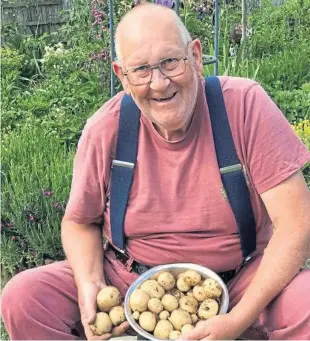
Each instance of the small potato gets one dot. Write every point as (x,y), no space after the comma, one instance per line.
(117,315)
(174,335)
(147,321)
(186,328)
(166,280)
(155,306)
(153,288)
(102,324)
(192,277)
(179,318)
(182,274)
(182,285)
(163,329)
(136,315)
(208,308)
(176,293)
(189,304)
(164,315)
(138,300)
(199,293)
(194,318)
(169,302)
(107,298)
(212,288)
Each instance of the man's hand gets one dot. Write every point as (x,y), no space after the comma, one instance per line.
(220,327)
(87,293)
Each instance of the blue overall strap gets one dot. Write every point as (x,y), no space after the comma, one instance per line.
(123,167)
(230,167)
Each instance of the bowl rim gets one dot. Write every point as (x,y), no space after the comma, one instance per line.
(149,273)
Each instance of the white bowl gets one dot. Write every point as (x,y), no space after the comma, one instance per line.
(175,268)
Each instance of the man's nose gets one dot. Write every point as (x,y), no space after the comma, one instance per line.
(159,81)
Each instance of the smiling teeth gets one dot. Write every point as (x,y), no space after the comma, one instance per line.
(162,99)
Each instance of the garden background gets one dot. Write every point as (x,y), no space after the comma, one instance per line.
(52,82)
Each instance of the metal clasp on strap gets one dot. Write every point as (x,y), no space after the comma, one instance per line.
(123,164)
(232,168)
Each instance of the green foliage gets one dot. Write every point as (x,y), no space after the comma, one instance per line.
(295,104)
(36,178)
(277,28)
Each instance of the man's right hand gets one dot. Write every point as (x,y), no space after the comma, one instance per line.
(87,293)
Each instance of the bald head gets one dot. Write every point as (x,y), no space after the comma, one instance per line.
(149,19)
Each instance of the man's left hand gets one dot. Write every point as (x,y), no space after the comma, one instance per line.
(220,327)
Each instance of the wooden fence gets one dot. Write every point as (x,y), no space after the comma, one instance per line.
(34,16)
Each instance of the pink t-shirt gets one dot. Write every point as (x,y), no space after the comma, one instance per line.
(177,210)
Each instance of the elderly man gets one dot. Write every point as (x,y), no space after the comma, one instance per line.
(177,209)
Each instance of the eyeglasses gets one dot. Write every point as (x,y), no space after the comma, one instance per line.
(169,67)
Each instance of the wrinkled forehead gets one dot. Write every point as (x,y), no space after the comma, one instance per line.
(148,45)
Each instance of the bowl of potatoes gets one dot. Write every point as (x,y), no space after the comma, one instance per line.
(168,300)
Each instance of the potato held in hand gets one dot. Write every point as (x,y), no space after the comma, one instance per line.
(102,324)
(117,315)
(107,298)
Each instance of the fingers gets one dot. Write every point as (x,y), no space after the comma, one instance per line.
(198,333)
(121,329)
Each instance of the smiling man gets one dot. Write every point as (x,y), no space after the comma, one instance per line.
(177,210)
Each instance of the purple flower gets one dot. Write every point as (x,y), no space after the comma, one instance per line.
(9,225)
(47,193)
(14,238)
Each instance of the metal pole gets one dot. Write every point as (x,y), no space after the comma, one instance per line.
(177,7)
(112,46)
(216,37)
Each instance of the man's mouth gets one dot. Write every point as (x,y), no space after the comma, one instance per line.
(164,99)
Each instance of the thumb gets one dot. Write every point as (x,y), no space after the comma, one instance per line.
(199,332)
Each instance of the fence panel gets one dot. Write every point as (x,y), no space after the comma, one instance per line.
(34,16)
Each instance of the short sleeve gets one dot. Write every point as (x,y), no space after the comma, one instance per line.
(273,150)
(87,196)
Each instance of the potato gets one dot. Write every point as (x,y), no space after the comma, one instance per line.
(102,324)
(169,302)
(176,293)
(199,293)
(192,277)
(179,318)
(155,306)
(147,321)
(163,329)
(107,298)
(164,315)
(138,300)
(189,304)
(186,328)
(136,315)
(208,308)
(212,288)
(194,318)
(166,280)
(153,288)
(182,285)
(174,335)
(117,315)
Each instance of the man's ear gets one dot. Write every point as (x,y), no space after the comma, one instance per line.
(197,55)
(117,69)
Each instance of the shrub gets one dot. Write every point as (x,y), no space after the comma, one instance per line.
(36,178)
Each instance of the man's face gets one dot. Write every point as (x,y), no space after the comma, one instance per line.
(167,102)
